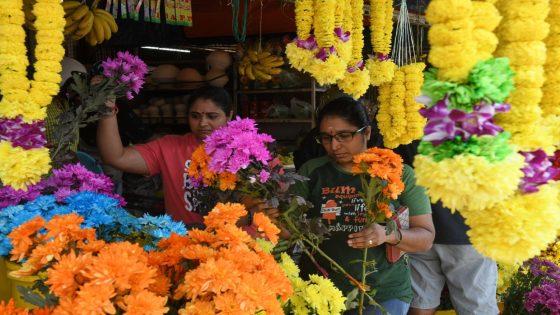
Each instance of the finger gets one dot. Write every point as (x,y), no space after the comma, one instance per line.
(272,212)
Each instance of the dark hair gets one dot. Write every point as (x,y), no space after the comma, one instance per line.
(346,108)
(212,93)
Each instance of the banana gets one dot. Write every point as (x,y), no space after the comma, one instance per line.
(108,18)
(273,71)
(262,54)
(98,30)
(70,5)
(86,23)
(241,69)
(106,29)
(249,72)
(275,64)
(261,75)
(90,38)
(253,56)
(79,13)
(69,30)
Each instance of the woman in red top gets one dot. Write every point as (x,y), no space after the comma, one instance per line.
(209,108)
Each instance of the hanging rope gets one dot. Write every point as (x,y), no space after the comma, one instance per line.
(404,51)
(239,36)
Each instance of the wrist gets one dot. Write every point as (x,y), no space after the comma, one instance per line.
(113,113)
(396,237)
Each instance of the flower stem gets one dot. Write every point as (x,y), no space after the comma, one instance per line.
(362,292)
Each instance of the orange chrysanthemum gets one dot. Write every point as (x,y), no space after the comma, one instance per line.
(198,252)
(199,169)
(65,277)
(227,181)
(94,298)
(23,238)
(67,226)
(224,213)
(198,308)
(144,302)
(264,225)
(161,284)
(10,308)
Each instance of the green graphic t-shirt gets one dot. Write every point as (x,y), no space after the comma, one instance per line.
(334,193)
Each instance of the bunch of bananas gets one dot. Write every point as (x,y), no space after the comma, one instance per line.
(260,66)
(96,25)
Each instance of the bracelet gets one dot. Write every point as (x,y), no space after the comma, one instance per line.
(399,237)
(114,110)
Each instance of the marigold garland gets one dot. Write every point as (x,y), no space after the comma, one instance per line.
(455,59)
(521,34)
(300,57)
(381,68)
(24,99)
(551,87)
(395,108)
(356,79)
(525,229)
(481,183)
(414,78)
(486,18)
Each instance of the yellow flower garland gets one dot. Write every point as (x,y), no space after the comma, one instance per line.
(521,34)
(343,49)
(551,87)
(471,183)
(22,97)
(414,78)
(301,58)
(355,83)
(455,53)
(391,116)
(333,68)
(524,228)
(486,18)
(381,26)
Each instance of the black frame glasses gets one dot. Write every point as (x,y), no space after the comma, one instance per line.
(341,137)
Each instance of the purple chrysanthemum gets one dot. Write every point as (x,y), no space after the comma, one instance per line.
(538,170)
(126,69)
(546,296)
(236,145)
(22,134)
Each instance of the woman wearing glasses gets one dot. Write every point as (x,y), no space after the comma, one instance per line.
(344,131)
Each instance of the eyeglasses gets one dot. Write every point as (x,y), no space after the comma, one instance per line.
(342,137)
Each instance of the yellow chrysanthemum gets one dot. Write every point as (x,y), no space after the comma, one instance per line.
(380,71)
(524,228)
(450,33)
(505,273)
(20,168)
(355,83)
(328,71)
(471,182)
(519,9)
(441,11)
(527,137)
(485,15)
(299,58)
(289,266)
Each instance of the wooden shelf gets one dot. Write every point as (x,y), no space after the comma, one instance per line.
(272,91)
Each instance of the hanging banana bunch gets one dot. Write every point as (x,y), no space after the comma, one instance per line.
(93,24)
(260,66)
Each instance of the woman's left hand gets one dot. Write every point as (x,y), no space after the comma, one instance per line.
(371,236)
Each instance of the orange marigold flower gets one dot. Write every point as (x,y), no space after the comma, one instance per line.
(144,302)
(23,237)
(232,236)
(64,277)
(91,245)
(198,252)
(227,181)
(224,213)
(95,298)
(198,308)
(213,276)
(265,225)
(202,236)
(161,285)
(67,225)
(383,207)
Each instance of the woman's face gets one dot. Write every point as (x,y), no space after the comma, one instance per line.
(342,140)
(205,116)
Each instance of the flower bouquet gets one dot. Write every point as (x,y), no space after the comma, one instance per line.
(122,76)
(380,172)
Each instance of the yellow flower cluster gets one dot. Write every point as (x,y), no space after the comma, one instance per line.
(355,83)
(391,116)
(299,57)
(381,26)
(486,18)
(470,183)
(333,68)
(527,224)
(316,296)
(398,118)
(19,167)
(522,32)
(505,273)
(342,21)
(20,96)
(551,88)
(552,253)
(453,47)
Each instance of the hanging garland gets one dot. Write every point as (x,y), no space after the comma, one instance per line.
(327,67)
(453,49)
(356,79)
(391,115)
(302,49)
(521,34)
(24,102)
(381,68)
(413,80)
(486,18)
(551,88)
